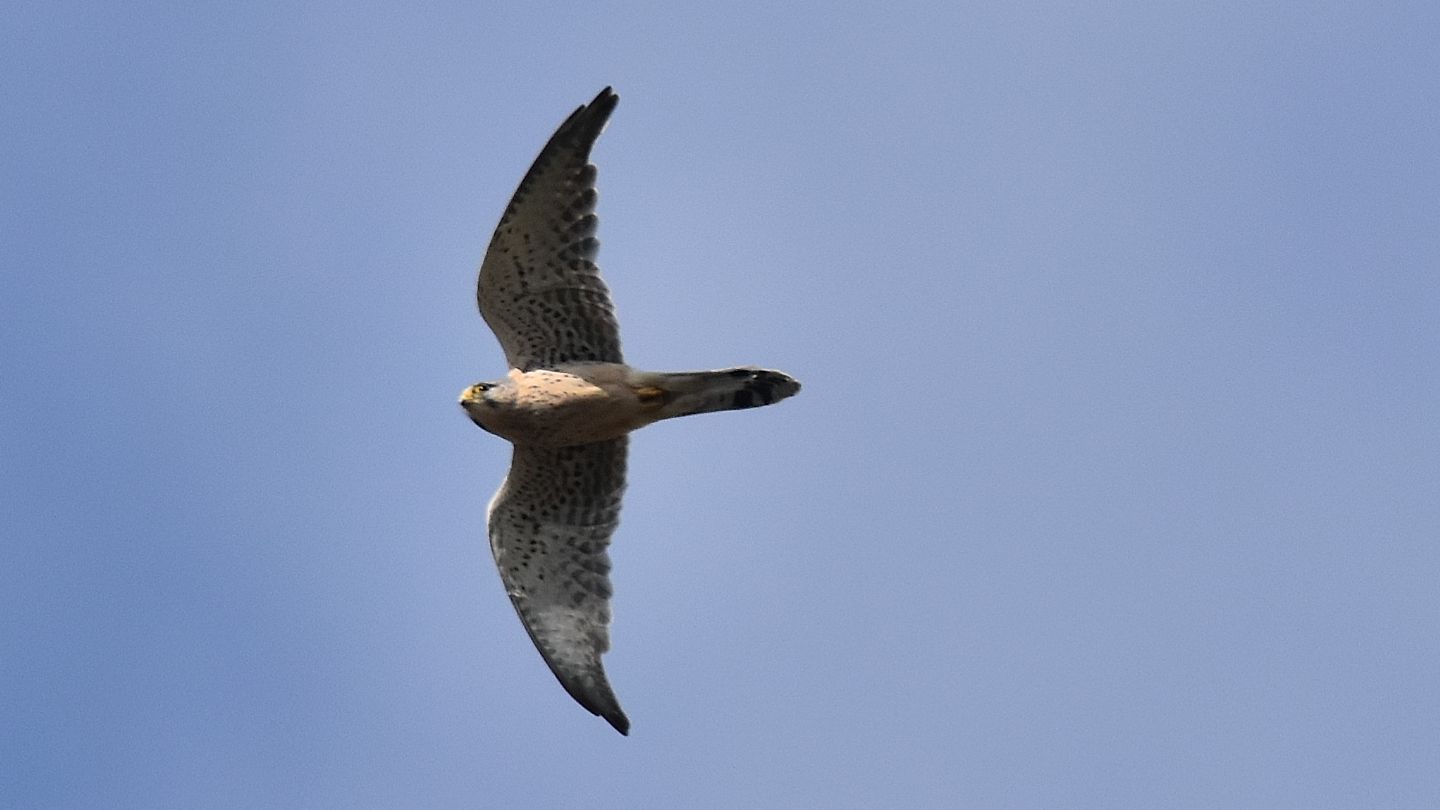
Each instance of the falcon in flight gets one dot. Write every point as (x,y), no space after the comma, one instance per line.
(567,404)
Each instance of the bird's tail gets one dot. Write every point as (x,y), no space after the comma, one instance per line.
(688,392)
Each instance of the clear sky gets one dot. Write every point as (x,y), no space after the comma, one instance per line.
(1115,481)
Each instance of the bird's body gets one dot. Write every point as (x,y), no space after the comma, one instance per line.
(567,405)
(580,403)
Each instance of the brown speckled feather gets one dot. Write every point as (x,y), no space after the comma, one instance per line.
(550,527)
(539,288)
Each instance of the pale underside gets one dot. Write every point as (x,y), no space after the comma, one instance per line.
(551,521)
(550,525)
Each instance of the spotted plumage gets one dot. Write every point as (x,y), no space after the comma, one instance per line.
(539,289)
(567,405)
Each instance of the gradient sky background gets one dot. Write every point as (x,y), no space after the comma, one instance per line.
(1115,481)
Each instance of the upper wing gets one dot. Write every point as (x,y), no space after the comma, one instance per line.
(539,289)
(550,525)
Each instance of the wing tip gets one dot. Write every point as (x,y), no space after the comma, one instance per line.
(607,95)
(619,721)
(589,119)
(586,684)
(599,699)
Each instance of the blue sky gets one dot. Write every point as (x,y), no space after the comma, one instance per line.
(1113,483)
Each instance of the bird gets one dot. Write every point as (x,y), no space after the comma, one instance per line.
(567,405)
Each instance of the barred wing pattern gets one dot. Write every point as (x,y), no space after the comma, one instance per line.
(550,527)
(539,288)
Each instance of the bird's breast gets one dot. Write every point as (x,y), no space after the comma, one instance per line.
(559,409)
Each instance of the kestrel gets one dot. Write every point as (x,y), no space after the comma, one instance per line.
(567,404)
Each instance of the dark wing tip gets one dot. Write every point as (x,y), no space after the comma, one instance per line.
(619,721)
(584,125)
(587,685)
(596,696)
(604,102)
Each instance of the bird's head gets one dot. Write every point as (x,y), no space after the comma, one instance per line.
(484,401)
